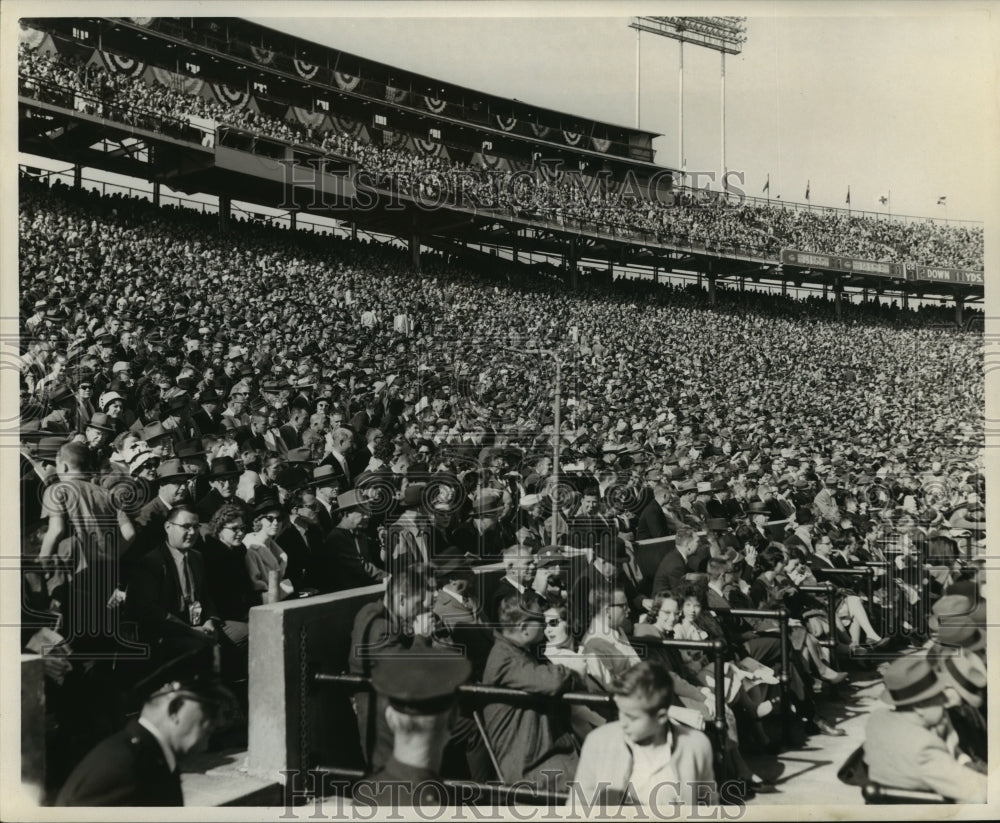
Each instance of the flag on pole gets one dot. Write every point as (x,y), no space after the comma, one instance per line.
(807,189)
(883,200)
(848,201)
(767,185)
(943,200)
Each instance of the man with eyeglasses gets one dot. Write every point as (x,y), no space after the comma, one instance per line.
(167,595)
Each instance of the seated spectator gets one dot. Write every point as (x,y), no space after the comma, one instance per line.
(346,560)
(228,584)
(267,562)
(643,758)
(913,746)
(519,561)
(605,646)
(168,594)
(604,571)
(534,744)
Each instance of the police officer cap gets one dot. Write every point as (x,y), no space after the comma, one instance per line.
(420,680)
(190,675)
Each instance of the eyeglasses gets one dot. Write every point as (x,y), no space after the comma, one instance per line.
(239,527)
(619,605)
(188,527)
(553,622)
(270,518)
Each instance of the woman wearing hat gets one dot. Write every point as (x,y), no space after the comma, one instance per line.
(914,746)
(265,558)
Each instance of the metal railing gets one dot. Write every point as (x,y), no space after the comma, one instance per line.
(88,103)
(256,143)
(476,696)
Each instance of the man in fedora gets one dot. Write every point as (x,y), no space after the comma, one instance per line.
(326,484)
(346,560)
(99,432)
(910,746)
(484,535)
(223,476)
(206,417)
(172,489)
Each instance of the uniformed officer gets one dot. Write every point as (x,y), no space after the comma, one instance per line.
(138,766)
(421,685)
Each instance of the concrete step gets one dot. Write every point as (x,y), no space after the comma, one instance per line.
(221,779)
(804,775)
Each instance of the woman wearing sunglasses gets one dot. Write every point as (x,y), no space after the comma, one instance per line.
(264,555)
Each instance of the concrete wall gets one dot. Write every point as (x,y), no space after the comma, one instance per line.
(294,722)
(33,725)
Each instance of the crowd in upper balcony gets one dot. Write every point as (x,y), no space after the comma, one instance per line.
(757,229)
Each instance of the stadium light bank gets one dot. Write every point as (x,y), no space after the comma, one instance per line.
(725,35)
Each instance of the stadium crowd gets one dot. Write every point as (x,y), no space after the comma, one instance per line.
(579,200)
(211,422)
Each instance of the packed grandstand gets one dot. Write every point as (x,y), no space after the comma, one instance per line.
(754,499)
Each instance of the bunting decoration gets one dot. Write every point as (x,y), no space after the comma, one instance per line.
(30,37)
(572,138)
(348,82)
(229,96)
(346,125)
(540,131)
(117,64)
(174,81)
(434,104)
(394,139)
(394,95)
(490,161)
(600,144)
(307,71)
(428,148)
(506,123)
(263,55)
(305,117)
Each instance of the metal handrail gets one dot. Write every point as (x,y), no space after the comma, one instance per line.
(784,675)
(482,694)
(831,609)
(868,572)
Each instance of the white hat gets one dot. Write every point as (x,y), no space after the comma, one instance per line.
(108,398)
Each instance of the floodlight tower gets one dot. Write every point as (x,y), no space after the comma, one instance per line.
(725,35)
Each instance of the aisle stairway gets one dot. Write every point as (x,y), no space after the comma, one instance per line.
(807,775)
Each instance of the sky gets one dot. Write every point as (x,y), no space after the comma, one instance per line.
(891,99)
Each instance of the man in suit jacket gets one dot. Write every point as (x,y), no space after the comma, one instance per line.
(913,747)
(339,447)
(673,567)
(345,560)
(138,766)
(652,522)
(823,560)
(167,596)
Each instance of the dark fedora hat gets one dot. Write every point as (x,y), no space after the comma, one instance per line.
(223,467)
(101,422)
(170,471)
(325,475)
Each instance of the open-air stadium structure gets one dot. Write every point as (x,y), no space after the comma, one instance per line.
(458,240)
